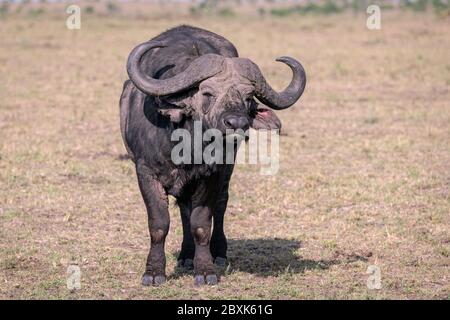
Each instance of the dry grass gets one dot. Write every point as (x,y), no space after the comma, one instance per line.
(364,177)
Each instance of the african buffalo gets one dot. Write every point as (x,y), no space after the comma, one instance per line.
(188,74)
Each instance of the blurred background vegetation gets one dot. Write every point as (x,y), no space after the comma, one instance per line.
(224,8)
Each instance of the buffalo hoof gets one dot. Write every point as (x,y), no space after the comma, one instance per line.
(220,262)
(210,279)
(199,280)
(186,264)
(148,280)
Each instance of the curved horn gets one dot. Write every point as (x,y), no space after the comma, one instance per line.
(200,69)
(286,98)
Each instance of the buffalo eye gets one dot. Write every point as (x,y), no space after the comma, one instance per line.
(207,101)
(250,103)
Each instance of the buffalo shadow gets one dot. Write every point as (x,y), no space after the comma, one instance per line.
(270,257)
(265,258)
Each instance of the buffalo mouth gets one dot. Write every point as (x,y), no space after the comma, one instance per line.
(236,137)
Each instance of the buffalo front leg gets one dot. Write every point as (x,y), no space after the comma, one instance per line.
(201,232)
(155,199)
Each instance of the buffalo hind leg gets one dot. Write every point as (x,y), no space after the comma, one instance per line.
(186,256)
(201,231)
(155,199)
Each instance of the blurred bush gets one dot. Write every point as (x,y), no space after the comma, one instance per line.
(441,6)
(89,9)
(417,5)
(438,6)
(226,12)
(112,7)
(4,8)
(229,8)
(326,7)
(211,7)
(34,12)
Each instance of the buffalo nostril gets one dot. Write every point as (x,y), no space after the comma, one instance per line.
(243,122)
(236,122)
(228,123)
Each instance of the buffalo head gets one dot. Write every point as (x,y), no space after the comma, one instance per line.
(218,90)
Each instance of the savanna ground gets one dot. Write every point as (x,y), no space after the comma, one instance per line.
(364,176)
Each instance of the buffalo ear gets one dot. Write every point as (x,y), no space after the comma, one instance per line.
(172,107)
(263,118)
(175,115)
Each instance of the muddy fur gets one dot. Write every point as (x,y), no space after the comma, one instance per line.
(223,100)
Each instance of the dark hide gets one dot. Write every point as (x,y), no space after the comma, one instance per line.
(147,122)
